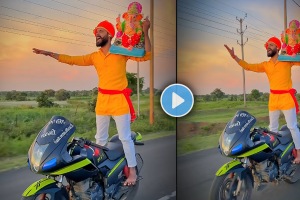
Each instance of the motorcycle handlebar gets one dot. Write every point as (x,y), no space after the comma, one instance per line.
(90,143)
(272,133)
(82,142)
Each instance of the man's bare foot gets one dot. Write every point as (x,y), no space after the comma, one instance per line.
(297,159)
(131,180)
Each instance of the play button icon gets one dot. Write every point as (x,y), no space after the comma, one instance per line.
(177,100)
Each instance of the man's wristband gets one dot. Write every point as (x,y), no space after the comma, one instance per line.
(234,56)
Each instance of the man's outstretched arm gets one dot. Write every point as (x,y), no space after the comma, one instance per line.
(251,67)
(85,60)
(46,53)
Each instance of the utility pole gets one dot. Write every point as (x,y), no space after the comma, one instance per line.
(138,88)
(285,16)
(242,44)
(151,87)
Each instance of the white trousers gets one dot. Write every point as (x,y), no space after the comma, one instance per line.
(291,121)
(124,132)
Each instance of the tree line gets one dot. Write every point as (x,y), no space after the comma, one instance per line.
(254,95)
(46,98)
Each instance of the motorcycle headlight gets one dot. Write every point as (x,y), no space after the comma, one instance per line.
(225,144)
(36,156)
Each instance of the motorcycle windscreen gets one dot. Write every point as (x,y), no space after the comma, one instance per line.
(241,123)
(52,139)
(57,130)
(238,127)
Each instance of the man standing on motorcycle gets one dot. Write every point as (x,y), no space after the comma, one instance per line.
(282,95)
(113,97)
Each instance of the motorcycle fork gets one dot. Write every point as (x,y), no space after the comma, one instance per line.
(239,179)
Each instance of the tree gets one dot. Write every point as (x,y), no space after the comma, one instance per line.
(92,104)
(50,92)
(43,100)
(95,91)
(15,95)
(255,94)
(132,82)
(62,95)
(217,94)
(265,96)
(11,95)
(207,97)
(21,96)
(233,97)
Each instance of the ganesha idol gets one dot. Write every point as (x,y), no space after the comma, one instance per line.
(130,38)
(291,42)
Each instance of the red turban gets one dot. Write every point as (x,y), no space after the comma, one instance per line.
(107,26)
(276,41)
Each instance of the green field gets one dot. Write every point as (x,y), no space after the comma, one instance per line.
(201,128)
(20,122)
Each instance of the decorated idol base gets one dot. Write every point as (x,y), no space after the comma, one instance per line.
(289,58)
(135,52)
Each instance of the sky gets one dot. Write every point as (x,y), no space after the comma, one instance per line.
(66,27)
(203,27)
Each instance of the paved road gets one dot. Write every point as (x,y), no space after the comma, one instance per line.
(159,173)
(195,173)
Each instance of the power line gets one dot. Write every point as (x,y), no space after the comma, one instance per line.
(261,31)
(96,5)
(80,9)
(44,38)
(184,24)
(248,14)
(296,3)
(209,13)
(24,21)
(60,10)
(22,30)
(208,19)
(208,25)
(92,12)
(45,17)
(234,15)
(222,17)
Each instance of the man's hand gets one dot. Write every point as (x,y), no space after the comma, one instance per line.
(45,53)
(39,51)
(231,51)
(146,25)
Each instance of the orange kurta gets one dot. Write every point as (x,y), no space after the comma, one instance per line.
(279,75)
(111,70)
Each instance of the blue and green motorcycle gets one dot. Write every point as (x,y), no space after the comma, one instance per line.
(259,156)
(77,168)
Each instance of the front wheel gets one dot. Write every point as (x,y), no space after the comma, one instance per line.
(225,187)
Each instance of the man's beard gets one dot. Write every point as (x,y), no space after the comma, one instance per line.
(103,42)
(273,53)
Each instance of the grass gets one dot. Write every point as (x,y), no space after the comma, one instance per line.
(14,162)
(196,143)
(201,128)
(21,122)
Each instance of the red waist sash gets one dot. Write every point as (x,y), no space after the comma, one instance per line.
(126,92)
(292,93)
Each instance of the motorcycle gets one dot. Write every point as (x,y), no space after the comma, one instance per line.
(79,169)
(259,156)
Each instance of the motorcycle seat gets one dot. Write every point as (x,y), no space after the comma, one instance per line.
(286,135)
(115,150)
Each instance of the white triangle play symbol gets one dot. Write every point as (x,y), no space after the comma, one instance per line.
(176,100)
